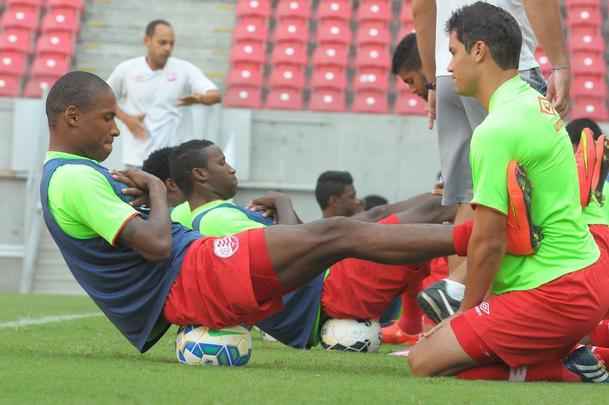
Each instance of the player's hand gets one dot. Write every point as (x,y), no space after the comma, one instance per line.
(189,100)
(559,85)
(135,124)
(269,201)
(138,184)
(431,108)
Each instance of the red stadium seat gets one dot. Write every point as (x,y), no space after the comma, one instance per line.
(248,52)
(285,99)
(410,104)
(405,29)
(372,55)
(27,3)
(590,107)
(588,63)
(10,86)
(36,86)
(570,3)
(57,43)
(20,17)
(247,74)
(13,63)
(544,62)
(78,5)
(406,13)
(260,8)
(335,9)
(371,78)
(292,30)
(331,54)
(584,16)
(300,9)
(370,101)
(16,41)
(334,32)
(329,77)
(586,42)
(251,28)
(243,97)
(374,10)
(589,86)
(328,100)
(373,33)
(61,20)
(51,65)
(286,52)
(287,76)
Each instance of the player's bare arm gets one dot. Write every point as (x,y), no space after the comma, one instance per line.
(135,123)
(208,98)
(280,205)
(424,14)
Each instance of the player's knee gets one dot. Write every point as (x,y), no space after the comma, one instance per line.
(419,363)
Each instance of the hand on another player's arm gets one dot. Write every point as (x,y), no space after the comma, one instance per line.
(281,205)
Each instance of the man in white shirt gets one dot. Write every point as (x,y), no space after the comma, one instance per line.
(152,89)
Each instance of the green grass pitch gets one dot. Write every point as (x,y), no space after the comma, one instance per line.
(86,361)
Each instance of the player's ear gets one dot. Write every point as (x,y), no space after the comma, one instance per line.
(72,116)
(332,201)
(171,185)
(200,174)
(479,51)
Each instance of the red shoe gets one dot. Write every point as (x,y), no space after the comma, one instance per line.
(585,157)
(523,237)
(393,335)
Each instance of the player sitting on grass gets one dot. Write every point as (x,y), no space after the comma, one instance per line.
(144,272)
(540,305)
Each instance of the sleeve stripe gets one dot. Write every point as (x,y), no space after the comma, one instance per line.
(120,230)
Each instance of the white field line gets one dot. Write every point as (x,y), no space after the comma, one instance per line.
(22,322)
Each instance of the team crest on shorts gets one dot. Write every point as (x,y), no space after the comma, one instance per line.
(226,247)
(483,309)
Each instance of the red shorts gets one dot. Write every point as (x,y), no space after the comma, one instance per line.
(360,289)
(214,287)
(528,327)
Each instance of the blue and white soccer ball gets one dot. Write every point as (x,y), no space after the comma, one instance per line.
(198,346)
(350,335)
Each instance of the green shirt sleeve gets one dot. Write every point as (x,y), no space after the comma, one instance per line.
(84,204)
(226,221)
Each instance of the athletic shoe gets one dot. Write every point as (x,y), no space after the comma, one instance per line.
(523,237)
(394,335)
(601,168)
(585,158)
(436,303)
(582,362)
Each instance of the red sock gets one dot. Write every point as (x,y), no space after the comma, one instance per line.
(410,321)
(461,235)
(600,334)
(549,371)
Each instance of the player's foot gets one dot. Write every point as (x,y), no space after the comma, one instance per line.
(523,237)
(582,362)
(394,335)
(436,303)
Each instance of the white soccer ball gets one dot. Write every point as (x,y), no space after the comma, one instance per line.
(349,335)
(197,346)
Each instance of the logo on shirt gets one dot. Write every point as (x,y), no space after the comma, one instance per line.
(171,77)
(483,309)
(546,107)
(226,247)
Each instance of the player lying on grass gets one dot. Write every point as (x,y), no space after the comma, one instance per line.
(145,272)
(540,305)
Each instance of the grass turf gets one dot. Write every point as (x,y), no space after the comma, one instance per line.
(88,361)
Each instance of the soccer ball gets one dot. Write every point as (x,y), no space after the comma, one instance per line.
(349,335)
(197,345)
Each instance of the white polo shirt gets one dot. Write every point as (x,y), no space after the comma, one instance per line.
(141,90)
(444,10)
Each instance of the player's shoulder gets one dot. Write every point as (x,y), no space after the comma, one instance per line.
(77,176)
(181,63)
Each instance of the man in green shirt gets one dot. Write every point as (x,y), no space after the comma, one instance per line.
(539,306)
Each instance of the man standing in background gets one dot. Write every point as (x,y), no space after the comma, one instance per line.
(152,89)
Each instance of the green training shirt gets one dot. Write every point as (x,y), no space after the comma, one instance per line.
(223,221)
(181,214)
(596,213)
(523,126)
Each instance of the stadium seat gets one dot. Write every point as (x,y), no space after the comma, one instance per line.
(593,43)
(285,99)
(410,104)
(374,10)
(329,77)
(405,29)
(13,63)
(27,3)
(260,8)
(370,101)
(589,86)
(243,97)
(571,3)
(61,20)
(588,63)
(292,30)
(372,55)
(78,5)
(371,78)
(10,86)
(20,17)
(584,16)
(335,9)
(331,54)
(16,41)
(286,52)
(36,86)
(51,65)
(299,9)
(251,28)
(58,43)
(590,107)
(287,76)
(328,100)
(248,51)
(373,33)
(544,62)
(334,32)
(406,13)
(247,74)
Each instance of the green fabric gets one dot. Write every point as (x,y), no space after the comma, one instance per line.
(223,221)
(83,202)
(181,214)
(596,213)
(522,126)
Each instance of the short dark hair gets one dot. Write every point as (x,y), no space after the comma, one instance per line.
(575,128)
(184,158)
(331,183)
(406,55)
(497,28)
(76,88)
(151,27)
(157,163)
(373,200)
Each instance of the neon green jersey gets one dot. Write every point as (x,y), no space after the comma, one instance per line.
(182,215)
(522,126)
(223,221)
(596,213)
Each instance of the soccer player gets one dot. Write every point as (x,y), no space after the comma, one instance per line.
(539,305)
(144,272)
